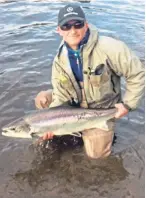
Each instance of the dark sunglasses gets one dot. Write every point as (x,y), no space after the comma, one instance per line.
(77,25)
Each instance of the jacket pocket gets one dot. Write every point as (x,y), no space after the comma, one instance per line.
(100,83)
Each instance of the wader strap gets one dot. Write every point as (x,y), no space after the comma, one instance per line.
(84,103)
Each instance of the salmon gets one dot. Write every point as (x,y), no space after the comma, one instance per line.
(62,120)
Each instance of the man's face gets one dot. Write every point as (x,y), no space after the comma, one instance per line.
(73,32)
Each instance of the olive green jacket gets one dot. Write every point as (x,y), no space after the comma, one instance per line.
(105,60)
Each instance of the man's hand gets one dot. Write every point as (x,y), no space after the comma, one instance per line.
(43,99)
(121,110)
(48,136)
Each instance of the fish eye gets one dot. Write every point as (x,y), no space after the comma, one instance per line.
(12,128)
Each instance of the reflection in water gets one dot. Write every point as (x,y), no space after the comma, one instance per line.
(71,168)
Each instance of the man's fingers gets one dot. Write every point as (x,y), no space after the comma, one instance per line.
(38,105)
(47,136)
(41,104)
(121,110)
(118,115)
(44,104)
(49,98)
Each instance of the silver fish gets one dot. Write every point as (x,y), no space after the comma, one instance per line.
(62,120)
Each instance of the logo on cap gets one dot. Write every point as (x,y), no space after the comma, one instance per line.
(69,9)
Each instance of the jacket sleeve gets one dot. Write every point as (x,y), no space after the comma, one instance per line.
(60,95)
(128,65)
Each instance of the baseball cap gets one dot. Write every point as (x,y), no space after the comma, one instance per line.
(70,12)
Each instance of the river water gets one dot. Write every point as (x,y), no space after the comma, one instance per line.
(28,43)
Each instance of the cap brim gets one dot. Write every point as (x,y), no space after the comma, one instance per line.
(71,18)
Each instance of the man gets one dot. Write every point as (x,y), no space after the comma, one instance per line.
(87,71)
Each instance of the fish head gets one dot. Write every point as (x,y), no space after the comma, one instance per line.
(18,128)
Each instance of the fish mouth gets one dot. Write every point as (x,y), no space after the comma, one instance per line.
(8,132)
(12,132)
